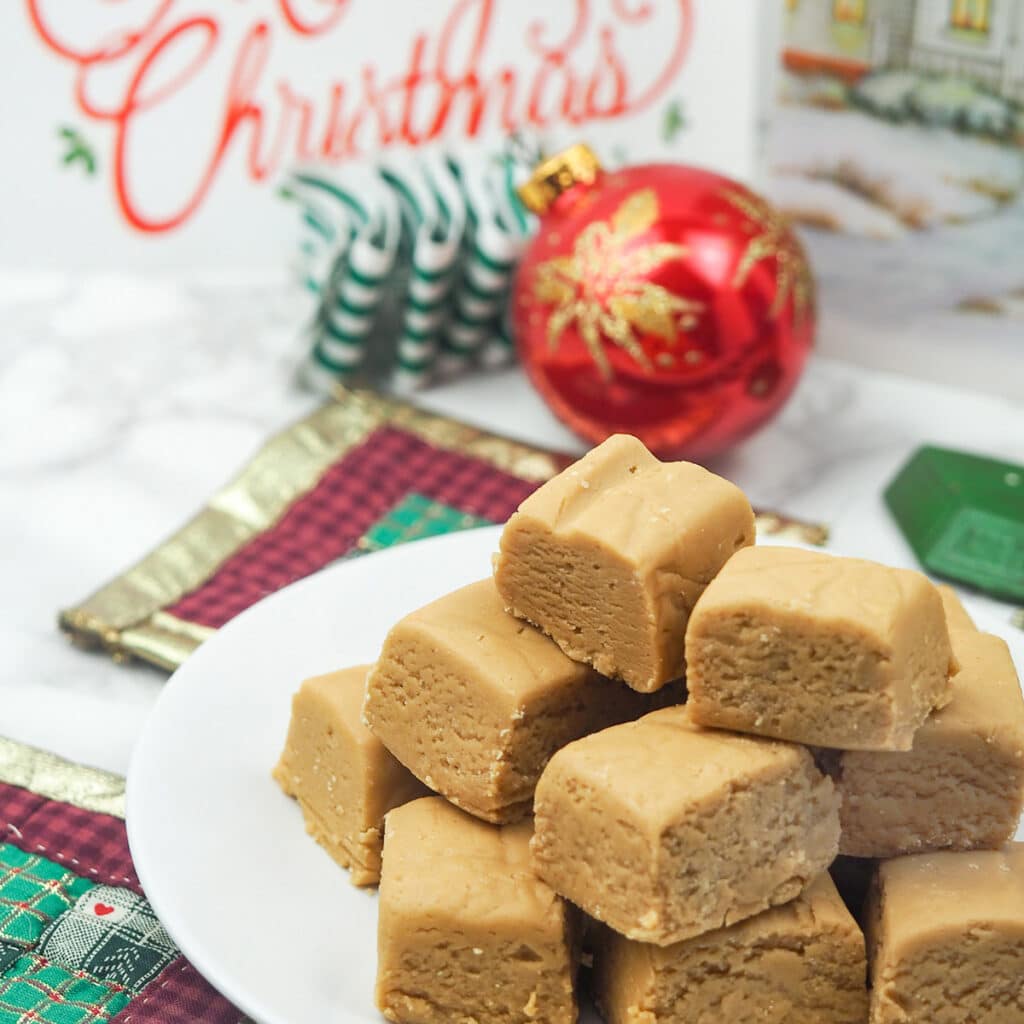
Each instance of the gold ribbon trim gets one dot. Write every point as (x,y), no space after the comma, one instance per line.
(57,779)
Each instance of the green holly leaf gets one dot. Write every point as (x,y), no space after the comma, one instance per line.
(76,150)
(673,121)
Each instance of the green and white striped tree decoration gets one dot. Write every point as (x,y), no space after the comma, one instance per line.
(408,266)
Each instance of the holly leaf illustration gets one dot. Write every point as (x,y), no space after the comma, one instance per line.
(76,150)
(673,122)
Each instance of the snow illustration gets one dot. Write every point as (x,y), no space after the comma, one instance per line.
(899,146)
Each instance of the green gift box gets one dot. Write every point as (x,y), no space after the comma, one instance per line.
(963,515)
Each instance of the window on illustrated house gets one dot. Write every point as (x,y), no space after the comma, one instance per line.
(849,12)
(970,15)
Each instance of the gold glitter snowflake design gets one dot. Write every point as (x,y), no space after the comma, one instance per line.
(774,240)
(603,286)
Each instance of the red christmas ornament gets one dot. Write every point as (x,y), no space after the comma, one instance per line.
(662,301)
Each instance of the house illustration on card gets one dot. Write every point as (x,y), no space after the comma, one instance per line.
(979,40)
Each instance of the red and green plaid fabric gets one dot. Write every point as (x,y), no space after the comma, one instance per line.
(79,943)
(34,991)
(91,845)
(381,481)
(114,935)
(33,891)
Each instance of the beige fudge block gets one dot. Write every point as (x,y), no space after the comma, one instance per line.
(801,963)
(946,939)
(811,648)
(474,701)
(665,830)
(467,933)
(340,773)
(956,613)
(609,557)
(962,786)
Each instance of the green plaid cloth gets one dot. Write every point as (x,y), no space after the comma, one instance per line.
(39,992)
(415,517)
(33,891)
(112,934)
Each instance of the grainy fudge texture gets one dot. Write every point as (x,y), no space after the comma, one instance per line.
(962,786)
(609,557)
(474,701)
(946,939)
(956,613)
(340,773)
(808,647)
(467,932)
(665,830)
(801,963)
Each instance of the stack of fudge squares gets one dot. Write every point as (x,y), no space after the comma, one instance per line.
(642,743)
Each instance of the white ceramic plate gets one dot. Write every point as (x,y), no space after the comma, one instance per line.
(259,909)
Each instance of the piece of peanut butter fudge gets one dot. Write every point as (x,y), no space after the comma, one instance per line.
(956,613)
(609,557)
(340,773)
(808,647)
(467,932)
(946,938)
(665,830)
(474,701)
(801,963)
(962,786)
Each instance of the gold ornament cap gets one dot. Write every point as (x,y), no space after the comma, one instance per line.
(576,165)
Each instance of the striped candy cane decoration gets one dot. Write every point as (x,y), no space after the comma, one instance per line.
(433,228)
(410,264)
(493,243)
(352,296)
(327,229)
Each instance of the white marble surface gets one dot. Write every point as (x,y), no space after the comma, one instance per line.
(125,401)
